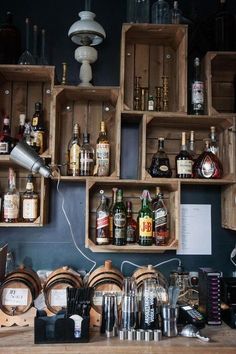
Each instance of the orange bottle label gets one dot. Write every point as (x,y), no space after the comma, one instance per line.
(145,226)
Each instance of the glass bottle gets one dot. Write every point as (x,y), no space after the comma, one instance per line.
(151,103)
(42,59)
(26,57)
(131,228)
(21,129)
(213,142)
(102,221)
(6,141)
(145,221)
(30,202)
(160,12)
(11,202)
(137,94)
(102,167)
(86,157)
(160,220)
(183,160)
(27,133)
(175,13)
(149,305)
(10,41)
(114,198)
(73,153)
(10,263)
(197,90)
(160,165)
(119,220)
(35,43)
(207,165)
(37,129)
(191,145)
(137,11)
(224,28)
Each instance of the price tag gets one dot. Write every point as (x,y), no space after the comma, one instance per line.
(15,297)
(58,297)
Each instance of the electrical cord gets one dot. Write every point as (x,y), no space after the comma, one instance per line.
(232,255)
(156,265)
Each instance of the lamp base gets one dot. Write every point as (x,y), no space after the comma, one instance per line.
(85,55)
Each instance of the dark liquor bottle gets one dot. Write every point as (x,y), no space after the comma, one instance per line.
(160,165)
(145,221)
(160,220)
(197,90)
(213,142)
(73,153)
(102,221)
(183,160)
(119,221)
(38,130)
(207,165)
(102,167)
(30,202)
(10,41)
(131,228)
(6,141)
(86,157)
(11,203)
(114,198)
(224,28)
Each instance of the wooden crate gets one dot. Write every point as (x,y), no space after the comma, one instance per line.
(220,82)
(132,191)
(228,207)
(151,51)
(170,129)
(87,107)
(21,86)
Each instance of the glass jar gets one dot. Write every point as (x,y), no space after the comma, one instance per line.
(137,11)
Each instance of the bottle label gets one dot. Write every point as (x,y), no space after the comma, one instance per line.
(30,208)
(208,167)
(11,206)
(119,219)
(184,167)
(145,226)
(119,233)
(130,234)
(74,157)
(197,92)
(102,221)
(4,148)
(160,217)
(102,159)
(35,121)
(38,140)
(163,168)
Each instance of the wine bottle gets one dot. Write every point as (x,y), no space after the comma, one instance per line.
(183,160)
(197,90)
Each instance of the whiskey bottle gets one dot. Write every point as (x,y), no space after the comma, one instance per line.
(160,220)
(6,141)
(183,160)
(37,129)
(207,165)
(131,228)
(30,201)
(11,203)
(73,153)
(114,198)
(145,221)
(86,157)
(197,90)
(102,153)
(119,220)
(160,165)
(213,146)
(102,221)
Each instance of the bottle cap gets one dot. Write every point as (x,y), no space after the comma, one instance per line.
(38,106)
(86,137)
(22,117)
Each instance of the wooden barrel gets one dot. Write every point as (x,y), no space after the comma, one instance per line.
(55,287)
(104,279)
(19,290)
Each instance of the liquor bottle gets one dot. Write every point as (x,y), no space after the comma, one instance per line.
(213,141)
(30,201)
(86,157)
(102,153)
(102,221)
(119,220)
(11,203)
(151,103)
(160,165)
(175,13)
(160,220)
(38,130)
(6,141)
(191,145)
(114,198)
(160,12)
(207,165)
(224,28)
(183,160)
(10,41)
(21,129)
(73,153)
(197,90)
(145,221)
(137,94)
(131,228)
(27,133)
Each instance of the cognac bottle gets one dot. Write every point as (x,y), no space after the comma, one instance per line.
(160,165)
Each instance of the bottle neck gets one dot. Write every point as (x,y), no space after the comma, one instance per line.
(183,142)
(29,186)
(161,145)
(12,180)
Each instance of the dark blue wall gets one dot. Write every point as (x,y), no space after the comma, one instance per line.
(51,246)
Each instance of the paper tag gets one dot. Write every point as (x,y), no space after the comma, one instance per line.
(15,297)
(39,302)
(58,297)
(97,297)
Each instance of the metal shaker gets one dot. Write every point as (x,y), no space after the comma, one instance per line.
(129,305)
(169,316)
(109,315)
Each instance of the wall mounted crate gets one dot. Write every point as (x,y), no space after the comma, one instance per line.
(152,51)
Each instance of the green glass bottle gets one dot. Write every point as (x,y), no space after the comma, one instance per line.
(119,220)
(145,221)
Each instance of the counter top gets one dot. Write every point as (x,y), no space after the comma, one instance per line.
(20,340)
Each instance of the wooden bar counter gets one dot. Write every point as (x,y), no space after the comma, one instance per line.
(20,340)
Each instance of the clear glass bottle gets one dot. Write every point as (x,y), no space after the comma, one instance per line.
(119,221)
(197,90)
(6,141)
(183,160)
(145,221)
(86,157)
(73,152)
(114,198)
(30,202)
(11,204)
(102,167)
(161,12)
(102,221)
(160,165)
(175,13)
(160,220)
(137,11)
(37,129)
(131,228)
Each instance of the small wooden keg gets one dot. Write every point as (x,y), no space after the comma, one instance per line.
(56,284)
(18,291)
(148,272)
